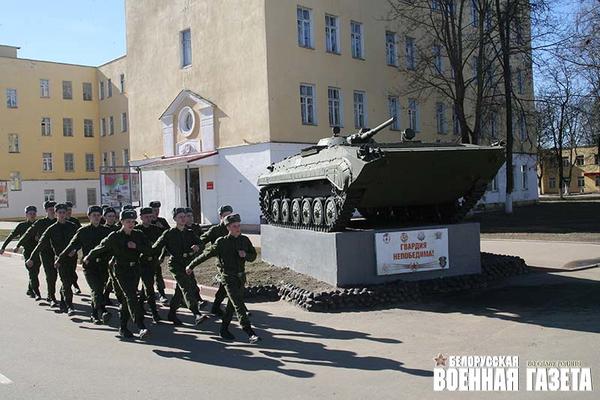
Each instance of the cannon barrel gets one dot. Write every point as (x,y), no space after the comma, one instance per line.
(363,137)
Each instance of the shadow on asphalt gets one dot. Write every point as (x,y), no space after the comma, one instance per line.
(559,301)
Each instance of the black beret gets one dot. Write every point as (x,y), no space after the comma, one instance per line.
(128,207)
(109,210)
(146,211)
(104,206)
(155,204)
(189,210)
(68,204)
(60,206)
(231,218)
(30,208)
(128,214)
(49,204)
(93,209)
(225,208)
(178,210)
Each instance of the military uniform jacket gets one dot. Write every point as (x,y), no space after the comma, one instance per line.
(161,223)
(179,245)
(196,228)
(86,238)
(226,249)
(35,232)
(152,233)
(116,245)
(75,221)
(56,238)
(113,227)
(18,232)
(213,233)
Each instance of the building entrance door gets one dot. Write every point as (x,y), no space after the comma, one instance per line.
(192,180)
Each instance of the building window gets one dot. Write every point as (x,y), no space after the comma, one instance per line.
(67,87)
(48,194)
(111,125)
(456,129)
(13,143)
(391,49)
(88,128)
(579,160)
(334,105)
(124,122)
(109,88)
(524,180)
(522,127)
(125,157)
(437,59)
(15,181)
(394,108)
(87,91)
(113,159)
(11,98)
(360,116)
(565,161)
(410,53)
(122,82)
(91,197)
(70,195)
(186,47)
(44,88)
(474,13)
(493,125)
(69,162)
(101,90)
(332,38)
(90,165)
(307,104)
(105,159)
(580,181)
(103,127)
(47,162)
(440,116)
(67,127)
(304,20)
(46,126)
(356,37)
(413,115)
(520,81)
(552,182)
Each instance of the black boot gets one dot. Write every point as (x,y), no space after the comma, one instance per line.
(173,318)
(226,335)
(155,316)
(125,333)
(216,310)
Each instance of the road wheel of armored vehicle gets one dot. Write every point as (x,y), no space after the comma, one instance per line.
(275,210)
(296,211)
(331,212)
(317,211)
(306,212)
(285,211)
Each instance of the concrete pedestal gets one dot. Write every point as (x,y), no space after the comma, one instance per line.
(349,258)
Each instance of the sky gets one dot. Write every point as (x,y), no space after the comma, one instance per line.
(87,32)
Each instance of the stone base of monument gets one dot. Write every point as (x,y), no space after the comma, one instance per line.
(375,256)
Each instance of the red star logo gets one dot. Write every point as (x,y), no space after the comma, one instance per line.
(440,360)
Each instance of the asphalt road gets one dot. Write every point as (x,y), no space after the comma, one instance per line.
(384,354)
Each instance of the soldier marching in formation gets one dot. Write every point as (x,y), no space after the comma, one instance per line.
(119,253)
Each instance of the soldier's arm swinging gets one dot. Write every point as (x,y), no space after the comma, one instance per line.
(105,247)
(209,252)
(17,232)
(44,243)
(73,246)
(250,252)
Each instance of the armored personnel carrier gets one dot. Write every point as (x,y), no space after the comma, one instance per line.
(402,183)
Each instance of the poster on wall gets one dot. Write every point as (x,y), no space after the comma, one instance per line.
(411,251)
(3,194)
(118,189)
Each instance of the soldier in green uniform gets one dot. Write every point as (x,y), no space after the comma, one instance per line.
(126,246)
(149,261)
(56,238)
(96,270)
(181,244)
(233,251)
(33,289)
(210,237)
(74,220)
(110,221)
(197,230)
(33,235)
(163,225)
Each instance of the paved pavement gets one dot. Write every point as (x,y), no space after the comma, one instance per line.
(385,354)
(547,254)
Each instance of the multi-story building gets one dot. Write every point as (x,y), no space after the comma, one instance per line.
(227,88)
(51,132)
(581,172)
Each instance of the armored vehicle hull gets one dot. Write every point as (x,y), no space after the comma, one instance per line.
(403,183)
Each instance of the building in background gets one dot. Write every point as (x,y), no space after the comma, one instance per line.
(581,172)
(51,131)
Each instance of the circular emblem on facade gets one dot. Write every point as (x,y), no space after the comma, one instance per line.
(421,236)
(386,238)
(404,237)
(186,121)
(443,262)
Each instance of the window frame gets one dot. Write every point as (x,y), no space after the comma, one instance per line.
(67,90)
(88,129)
(111,125)
(68,127)
(391,49)
(396,113)
(16,184)
(47,162)
(440,112)
(87,94)
(303,26)
(360,109)
(14,143)
(357,54)
(44,90)
(88,157)
(88,197)
(332,46)
(413,115)
(332,102)
(46,126)
(69,163)
(410,50)
(185,48)
(124,122)
(305,105)
(73,198)
(12,99)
